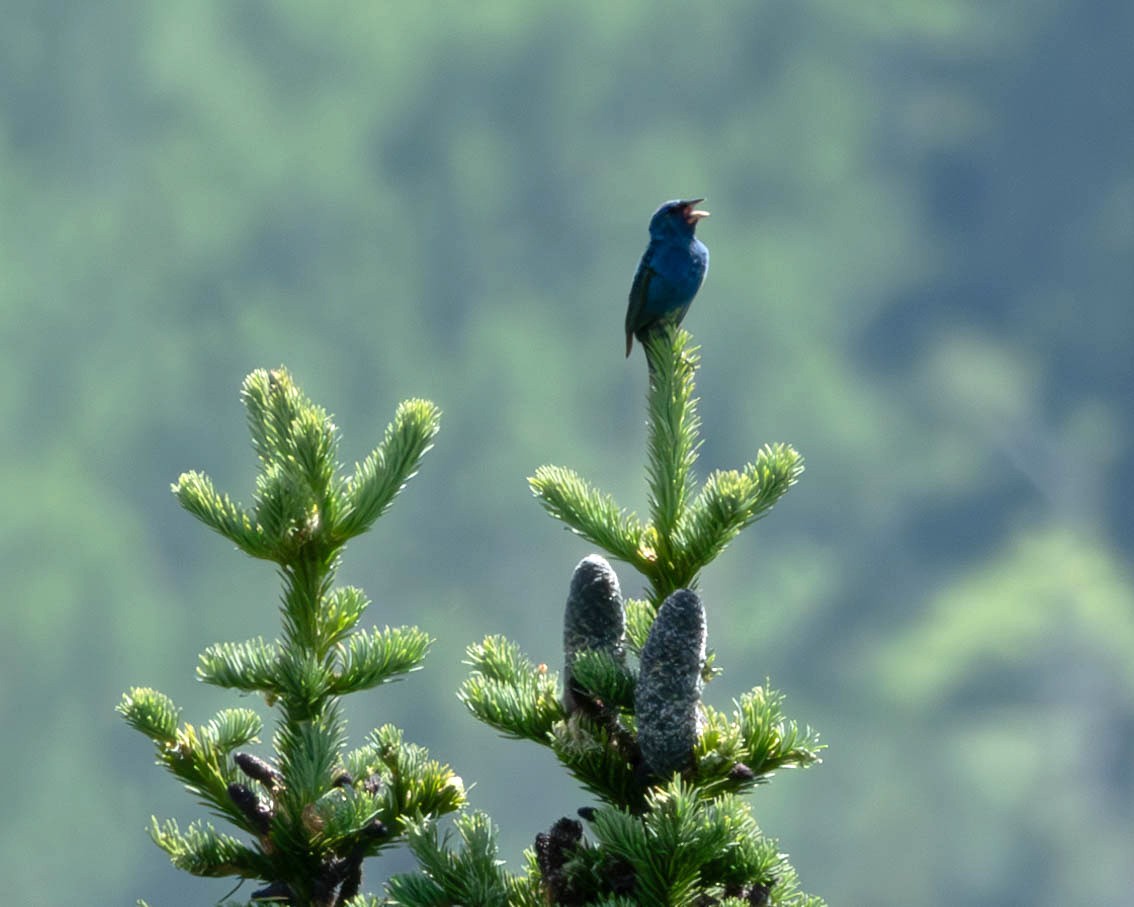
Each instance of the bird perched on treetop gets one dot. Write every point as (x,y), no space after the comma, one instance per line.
(670,273)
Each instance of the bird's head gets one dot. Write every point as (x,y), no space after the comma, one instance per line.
(676,218)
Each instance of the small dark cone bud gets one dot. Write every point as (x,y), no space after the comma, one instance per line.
(376,829)
(553,850)
(667,700)
(257,769)
(255,810)
(741,772)
(342,779)
(594,619)
(761,895)
(372,784)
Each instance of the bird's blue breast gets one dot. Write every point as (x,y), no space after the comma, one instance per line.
(679,270)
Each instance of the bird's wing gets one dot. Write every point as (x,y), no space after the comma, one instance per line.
(639,292)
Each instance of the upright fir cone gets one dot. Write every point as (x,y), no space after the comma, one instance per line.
(594,620)
(667,700)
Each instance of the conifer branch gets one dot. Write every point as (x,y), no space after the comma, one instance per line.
(195,492)
(732,500)
(369,659)
(674,433)
(408,782)
(736,753)
(252,667)
(314,812)
(589,513)
(469,874)
(152,713)
(203,851)
(341,611)
(712,847)
(686,530)
(601,758)
(606,677)
(378,479)
(508,692)
(640,614)
(666,766)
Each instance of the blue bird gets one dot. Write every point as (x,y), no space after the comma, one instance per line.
(670,273)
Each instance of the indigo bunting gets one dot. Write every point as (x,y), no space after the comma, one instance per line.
(670,273)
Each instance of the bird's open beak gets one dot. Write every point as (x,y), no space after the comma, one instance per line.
(692,214)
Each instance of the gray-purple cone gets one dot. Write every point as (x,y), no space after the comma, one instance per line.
(668,696)
(594,619)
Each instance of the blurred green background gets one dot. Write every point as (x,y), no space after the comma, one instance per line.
(922,277)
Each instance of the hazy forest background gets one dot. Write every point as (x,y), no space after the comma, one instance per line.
(922,277)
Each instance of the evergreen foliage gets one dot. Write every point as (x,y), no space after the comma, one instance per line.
(470,874)
(667,769)
(687,529)
(313,811)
